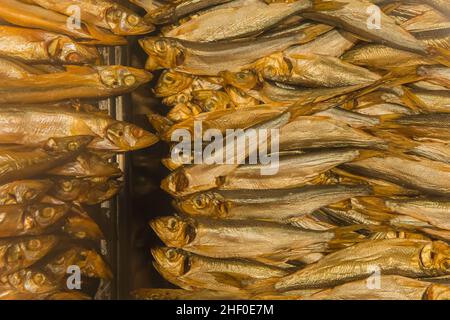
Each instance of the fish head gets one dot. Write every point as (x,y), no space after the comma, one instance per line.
(100,189)
(274,66)
(29,250)
(44,215)
(212,100)
(69,189)
(101,167)
(183,97)
(93,265)
(174,231)
(127,137)
(175,182)
(67,144)
(435,258)
(120,77)
(65,50)
(123,21)
(163,52)
(32,281)
(246,80)
(171,82)
(172,260)
(25,191)
(208,204)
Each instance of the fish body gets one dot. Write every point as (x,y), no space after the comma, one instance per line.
(23,191)
(76,82)
(38,46)
(270,205)
(19,253)
(410,258)
(87,165)
(19,220)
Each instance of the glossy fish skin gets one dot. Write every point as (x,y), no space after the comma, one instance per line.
(171,12)
(191,272)
(12,69)
(23,162)
(201,177)
(87,165)
(236,22)
(394,257)
(179,294)
(19,220)
(353,119)
(26,284)
(438,75)
(102,13)
(82,227)
(38,46)
(435,212)
(90,191)
(25,125)
(76,82)
(353,17)
(413,172)
(269,205)
(392,288)
(32,16)
(306,132)
(383,57)
(23,191)
(267,242)
(16,254)
(90,262)
(310,70)
(212,58)
(294,170)
(332,43)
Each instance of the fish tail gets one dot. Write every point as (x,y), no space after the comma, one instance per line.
(412,100)
(350,235)
(396,142)
(262,286)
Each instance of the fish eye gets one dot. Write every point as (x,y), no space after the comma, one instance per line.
(172,223)
(161,45)
(169,79)
(29,194)
(47,212)
(72,146)
(34,244)
(39,278)
(171,254)
(201,201)
(129,80)
(133,20)
(16,279)
(67,186)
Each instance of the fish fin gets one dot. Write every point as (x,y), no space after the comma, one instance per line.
(263,286)
(412,101)
(350,235)
(321,5)
(302,56)
(366,154)
(440,55)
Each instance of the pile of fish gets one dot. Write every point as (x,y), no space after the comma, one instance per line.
(359,93)
(57,147)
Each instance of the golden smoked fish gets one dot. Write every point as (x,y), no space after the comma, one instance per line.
(102,13)
(32,16)
(191,272)
(75,82)
(22,220)
(212,58)
(33,124)
(87,165)
(354,16)
(23,191)
(18,162)
(390,288)
(39,46)
(293,170)
(237,22)
(409,258)
(267,242)
(413,172)
(271,205)
(16,254)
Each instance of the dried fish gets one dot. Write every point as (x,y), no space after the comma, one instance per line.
(23,191)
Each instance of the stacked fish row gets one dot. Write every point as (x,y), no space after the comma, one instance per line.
(57,151)
(359,90)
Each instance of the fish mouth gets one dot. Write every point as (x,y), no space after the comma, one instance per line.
(141,76)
